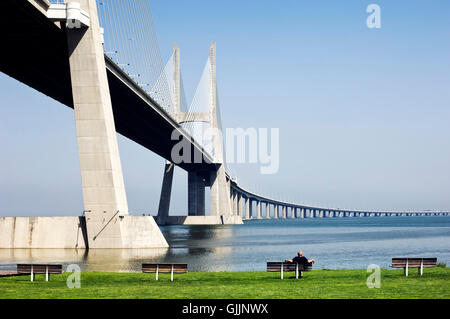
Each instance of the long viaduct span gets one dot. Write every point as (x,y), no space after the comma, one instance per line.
(59,49)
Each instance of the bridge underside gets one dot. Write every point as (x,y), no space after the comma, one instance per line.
(37,56)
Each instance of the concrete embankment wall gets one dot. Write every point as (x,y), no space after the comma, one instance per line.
(42,232)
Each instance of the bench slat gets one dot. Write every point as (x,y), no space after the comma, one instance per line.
(165,268)
(287,267)
(414,262)
(39,269)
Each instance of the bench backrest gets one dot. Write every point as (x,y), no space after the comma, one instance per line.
(414,262)
(275,266)
(165,268)
(39,269)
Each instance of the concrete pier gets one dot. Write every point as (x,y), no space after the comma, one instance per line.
(196,195)
(108,224)
(258,210)
(293,212)
(166,191)
(241,200)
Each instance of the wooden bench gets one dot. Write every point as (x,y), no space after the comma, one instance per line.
(165,269)
(419,263)
(282,267)
(32,269)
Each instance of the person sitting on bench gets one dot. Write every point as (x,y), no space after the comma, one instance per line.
(300,259)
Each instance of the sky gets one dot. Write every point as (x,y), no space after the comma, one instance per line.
(363,113)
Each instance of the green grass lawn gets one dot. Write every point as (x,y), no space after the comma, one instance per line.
(435,283)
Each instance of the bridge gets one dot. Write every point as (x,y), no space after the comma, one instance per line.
(78,54)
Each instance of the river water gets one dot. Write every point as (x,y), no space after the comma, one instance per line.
(337,243)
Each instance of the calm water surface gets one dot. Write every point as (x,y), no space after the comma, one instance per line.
(351,243)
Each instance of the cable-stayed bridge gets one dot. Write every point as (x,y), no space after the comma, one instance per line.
(102,59)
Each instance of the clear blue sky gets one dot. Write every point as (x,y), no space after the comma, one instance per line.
(363,114)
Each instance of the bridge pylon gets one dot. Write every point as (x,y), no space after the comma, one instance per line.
(221,211)
(107,218)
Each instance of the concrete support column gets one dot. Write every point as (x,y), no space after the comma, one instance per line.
(267,210)
(234,202)
(302,213)
(196,195)
(101,171)
(247,208)
(220,191)
(284,212)
(250,209)
(275,211)
(239,204)
(293,209)
(258,209)
(166,191)
(107,220)
(220,195)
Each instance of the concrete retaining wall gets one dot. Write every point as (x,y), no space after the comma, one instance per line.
(70,232)
(42,232)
